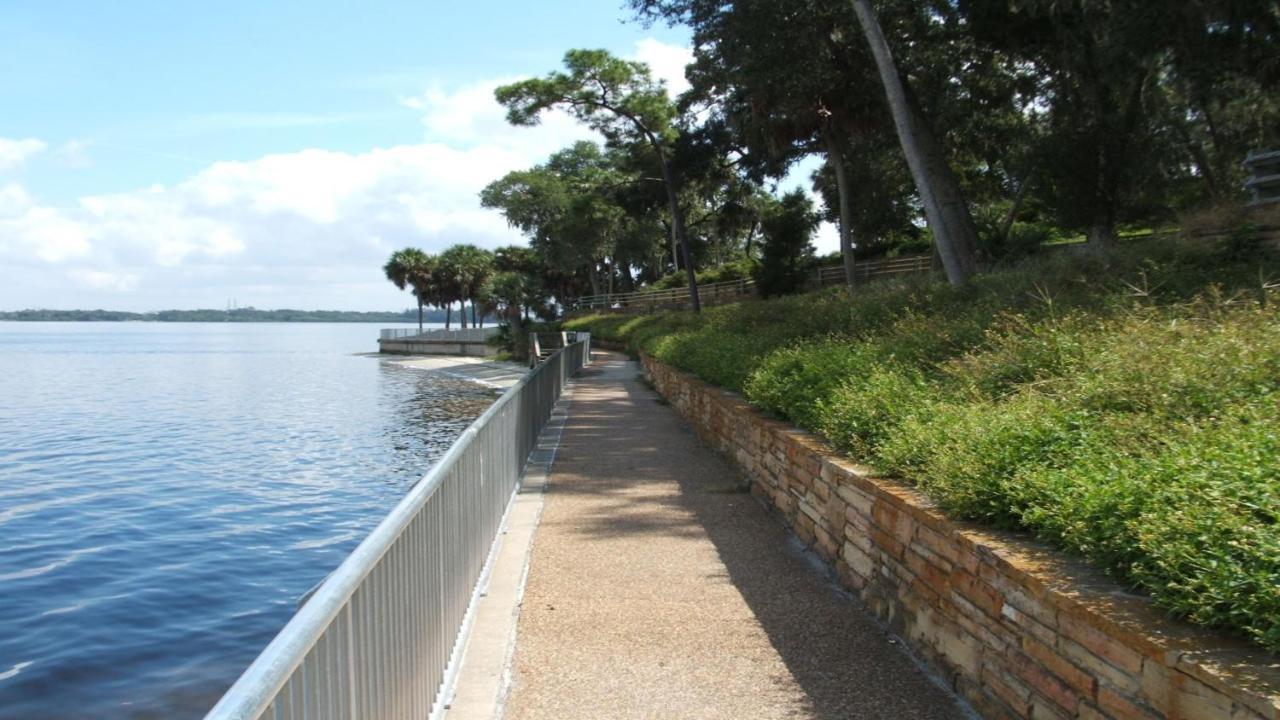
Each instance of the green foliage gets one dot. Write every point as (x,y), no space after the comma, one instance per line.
(736,270)
(617,98)
(416,269)
(1018,240)
(1122,406)
(788,231)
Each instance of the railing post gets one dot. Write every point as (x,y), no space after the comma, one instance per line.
(535,349)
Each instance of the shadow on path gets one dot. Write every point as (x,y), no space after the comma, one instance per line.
(647,526)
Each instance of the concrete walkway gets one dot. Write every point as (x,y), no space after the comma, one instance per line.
(656,588)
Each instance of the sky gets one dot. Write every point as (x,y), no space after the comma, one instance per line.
(158,155)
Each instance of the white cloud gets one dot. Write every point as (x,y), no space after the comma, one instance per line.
(470,116)
(14,199)
(74,153)
(98,280)
(666,61)
(14,153)
(30,231)
(304,229)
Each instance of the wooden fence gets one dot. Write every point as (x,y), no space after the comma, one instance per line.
(876,269)
(648,301)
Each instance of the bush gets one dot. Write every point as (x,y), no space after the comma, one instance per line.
(786,250)
(1122,406)
(1024,238)
(736,270)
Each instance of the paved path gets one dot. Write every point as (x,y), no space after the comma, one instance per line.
(656,589)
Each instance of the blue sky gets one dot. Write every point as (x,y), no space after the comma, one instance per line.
(161,154)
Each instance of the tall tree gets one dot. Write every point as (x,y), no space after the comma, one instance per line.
(745,55)
(944,206)
(567,208)
(413,268)
(466,266)
(506,291)
(527,263)
(622,101)
(788,235)
(795,78)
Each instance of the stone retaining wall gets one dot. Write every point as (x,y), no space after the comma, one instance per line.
(1019,630)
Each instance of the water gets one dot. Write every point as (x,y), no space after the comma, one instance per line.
(169,491)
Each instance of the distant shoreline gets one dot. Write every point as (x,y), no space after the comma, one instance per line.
(238,315)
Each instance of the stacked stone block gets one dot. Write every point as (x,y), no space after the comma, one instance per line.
(1020,630)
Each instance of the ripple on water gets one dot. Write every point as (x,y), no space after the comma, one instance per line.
(168,492)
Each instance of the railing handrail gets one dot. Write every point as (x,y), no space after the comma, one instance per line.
(868,268)
(665,294)
(437,333)
(260,684)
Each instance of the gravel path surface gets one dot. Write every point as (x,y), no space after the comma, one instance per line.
(657,589)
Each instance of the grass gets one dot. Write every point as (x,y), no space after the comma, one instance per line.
(1123,406)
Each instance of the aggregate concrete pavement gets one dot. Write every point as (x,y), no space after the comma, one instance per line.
(657,588)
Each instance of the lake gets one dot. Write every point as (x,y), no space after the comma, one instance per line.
(169,491)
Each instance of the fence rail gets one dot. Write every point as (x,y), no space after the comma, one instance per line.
(379,637)
(460,335)
(872,269)
(731,290)
(1264,176)
(710,294)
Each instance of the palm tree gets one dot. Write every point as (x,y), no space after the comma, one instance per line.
(467,266)
(411,267)
(444,287)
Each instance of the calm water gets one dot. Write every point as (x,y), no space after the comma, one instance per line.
(168,491)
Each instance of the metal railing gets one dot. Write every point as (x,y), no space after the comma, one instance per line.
(460,335)
(538,352)
(380,636)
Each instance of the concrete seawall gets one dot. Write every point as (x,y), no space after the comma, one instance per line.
(411,346)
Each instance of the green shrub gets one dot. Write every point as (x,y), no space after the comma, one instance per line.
(863,411)
(736,270)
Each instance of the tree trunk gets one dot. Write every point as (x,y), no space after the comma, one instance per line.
(627,282)
(595,280)
(835,158)
(448,315)
(1007,224)
(1114,157)
(1102,233)
(961,230)
(954,260)
(516,329)
(677,225)
(419,316)
(473,314)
